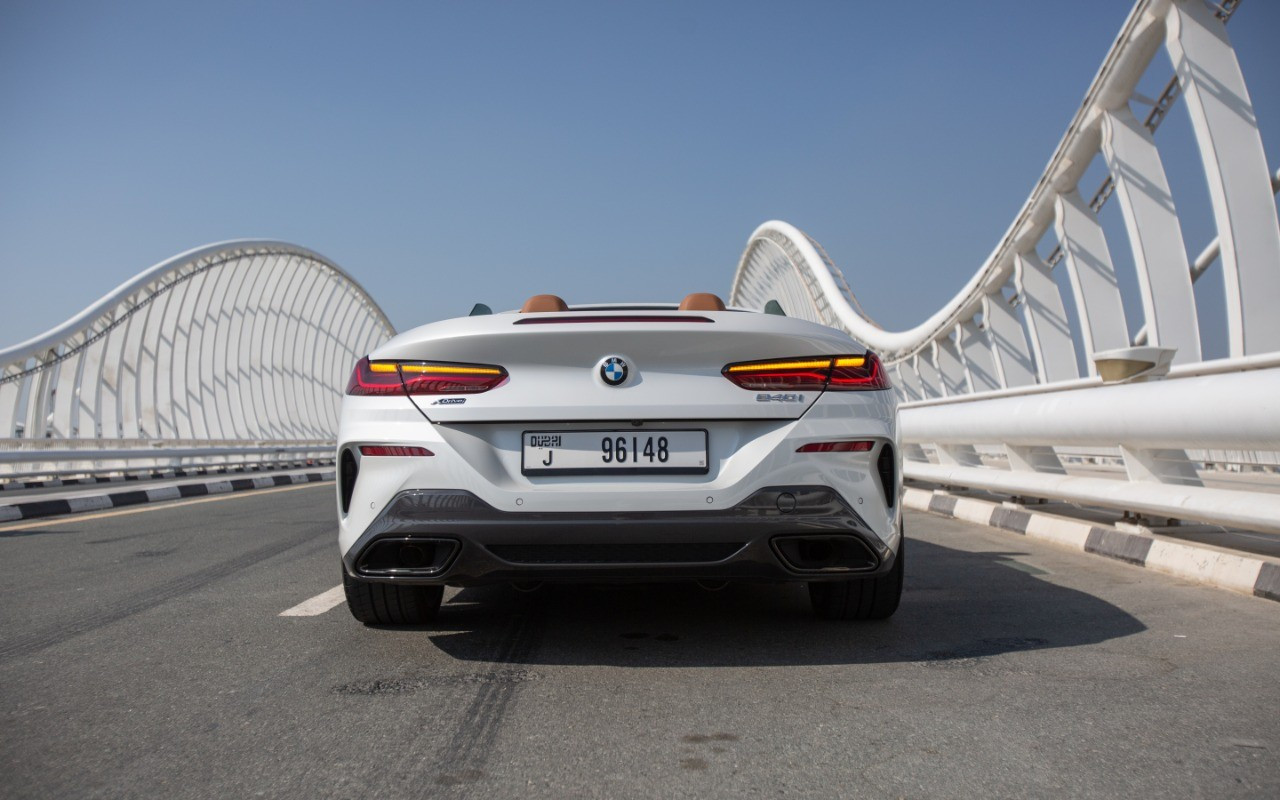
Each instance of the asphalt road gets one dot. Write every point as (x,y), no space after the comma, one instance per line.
(143,654)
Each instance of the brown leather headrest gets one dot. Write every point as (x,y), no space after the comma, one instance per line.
(543,302)
(701,301)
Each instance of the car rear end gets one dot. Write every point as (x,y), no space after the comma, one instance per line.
(618,443)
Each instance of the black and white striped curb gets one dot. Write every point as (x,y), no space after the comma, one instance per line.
(1241,573)
(99,502)
(13,486)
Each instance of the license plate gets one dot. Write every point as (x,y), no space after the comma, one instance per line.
(623,452)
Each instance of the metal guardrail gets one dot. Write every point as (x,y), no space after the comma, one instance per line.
(57,458)
(1148,425)
(992,390)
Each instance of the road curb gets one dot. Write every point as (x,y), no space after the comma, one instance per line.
(1226,570)
(33,509)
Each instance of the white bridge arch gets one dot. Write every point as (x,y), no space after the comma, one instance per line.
(993,394)
(235,351)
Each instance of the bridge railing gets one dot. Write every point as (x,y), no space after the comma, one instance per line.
(993,393)
(65,458)
(232,353)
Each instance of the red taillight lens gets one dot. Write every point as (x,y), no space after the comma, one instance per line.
(837,373)
(429,377)
(836,447)
(422,377)
(393,450)
(854,373)
(377,377)
(792,373)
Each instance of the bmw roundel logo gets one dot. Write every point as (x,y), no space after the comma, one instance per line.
(613,371)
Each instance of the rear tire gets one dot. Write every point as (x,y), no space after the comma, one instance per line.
(391,603)
(861,598)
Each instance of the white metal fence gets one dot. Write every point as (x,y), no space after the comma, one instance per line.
(232,353)
(993,395)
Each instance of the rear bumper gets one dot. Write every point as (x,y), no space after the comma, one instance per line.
(780,533)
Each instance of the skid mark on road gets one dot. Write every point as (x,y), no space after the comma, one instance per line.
(462,760)
(410,684)
(317,605)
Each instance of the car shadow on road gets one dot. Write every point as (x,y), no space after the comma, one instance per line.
(957,605)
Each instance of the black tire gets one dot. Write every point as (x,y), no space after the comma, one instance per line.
(861,598)
(391,603)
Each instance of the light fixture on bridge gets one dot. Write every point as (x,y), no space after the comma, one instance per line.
(1132,364)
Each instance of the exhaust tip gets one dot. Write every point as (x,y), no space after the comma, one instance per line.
(412,556)
(825,553)
(406,557)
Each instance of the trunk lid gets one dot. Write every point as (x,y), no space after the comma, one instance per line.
(673,362)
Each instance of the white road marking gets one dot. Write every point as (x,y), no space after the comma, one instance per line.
(318,604)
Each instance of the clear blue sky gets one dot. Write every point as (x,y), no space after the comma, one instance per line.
(449,153)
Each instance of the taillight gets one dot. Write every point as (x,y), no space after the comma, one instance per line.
(795,373)
(377,377)
(861,446)
(393,450)
(427,377)
(854,373)
(835,373)
(422,377)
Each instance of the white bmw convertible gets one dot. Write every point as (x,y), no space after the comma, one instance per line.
(619,443)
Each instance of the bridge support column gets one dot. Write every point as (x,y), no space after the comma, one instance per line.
(1035,458)
(37,425)
(1046,319)
(1008,342)
(958,455)
(1159,466)
(910,381)
(928,375)
(9,407)
(1093,277)
(62,403)
(950,367)
(913,452)
(1235,165)
(979,364)
(110,394)
(89,380)
(1155,234)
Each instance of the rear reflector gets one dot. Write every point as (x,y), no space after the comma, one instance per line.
(836,447)
(393,450)
(422,377)
(815,373)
